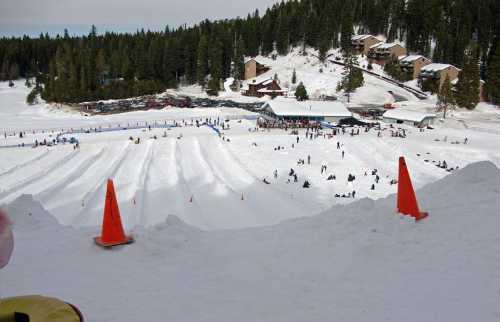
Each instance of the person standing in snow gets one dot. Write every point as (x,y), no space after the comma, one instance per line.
(275,174)
(308,159)
(343,153)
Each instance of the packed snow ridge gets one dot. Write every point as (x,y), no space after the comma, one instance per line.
(357,262)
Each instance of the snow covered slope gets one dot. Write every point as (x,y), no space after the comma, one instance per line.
(158,178)
(359,262)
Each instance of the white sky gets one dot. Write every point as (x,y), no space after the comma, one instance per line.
(16,15)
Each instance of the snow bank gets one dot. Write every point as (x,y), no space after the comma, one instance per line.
(360,262)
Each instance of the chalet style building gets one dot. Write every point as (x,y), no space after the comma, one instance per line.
(268,87)
(362,43)
(438,72)
(412,64)
(254,69)
(381,52)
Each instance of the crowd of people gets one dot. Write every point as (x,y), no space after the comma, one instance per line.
(311,133)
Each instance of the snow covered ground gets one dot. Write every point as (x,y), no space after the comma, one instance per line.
(242,249)
(192,173)
(359,262)
(157,178)
(16,115)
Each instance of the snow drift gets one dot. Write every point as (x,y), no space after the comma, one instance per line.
(359,262)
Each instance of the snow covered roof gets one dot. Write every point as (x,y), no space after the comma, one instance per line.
(412,58)
(407,115)
(250,59)
(265,90)
(360,37)
(386,45)
(308,108)
(434,67)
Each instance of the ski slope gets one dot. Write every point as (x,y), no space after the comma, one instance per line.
(213,182)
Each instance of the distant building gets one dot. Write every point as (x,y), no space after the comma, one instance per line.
(414,118)
(292,110)
(438,73)
(383,51)
(412,64)
(268,87)
(254,69)
(362,43)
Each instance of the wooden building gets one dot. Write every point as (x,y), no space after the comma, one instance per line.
(254,69)
(412,64)
(362,43)
(438,72)
(268,87)
(382,52)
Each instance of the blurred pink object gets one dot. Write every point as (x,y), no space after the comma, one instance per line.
(6,240)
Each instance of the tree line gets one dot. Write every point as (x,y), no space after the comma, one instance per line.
(116,65)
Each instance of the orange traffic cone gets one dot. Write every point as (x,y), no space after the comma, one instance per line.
(407,201)
(112,230)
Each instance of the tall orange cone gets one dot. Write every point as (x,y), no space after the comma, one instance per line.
(112,230)
(407,201)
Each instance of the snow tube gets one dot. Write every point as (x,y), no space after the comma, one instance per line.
(35,308)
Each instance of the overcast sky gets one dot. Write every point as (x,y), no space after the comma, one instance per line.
(34,16)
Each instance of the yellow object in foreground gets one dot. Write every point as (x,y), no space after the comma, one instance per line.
(38,308)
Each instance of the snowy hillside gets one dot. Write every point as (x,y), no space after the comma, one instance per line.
(319,79)
(359,262)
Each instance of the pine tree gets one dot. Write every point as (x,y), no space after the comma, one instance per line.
(202,60)
(347,28)
(215,68)
(324,41)
(301,92)
(467,88)
(493,77)
(352,77)
(445,96)
(283,41)
(169,68)
(239,60)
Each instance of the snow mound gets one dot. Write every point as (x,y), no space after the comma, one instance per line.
(28,214)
